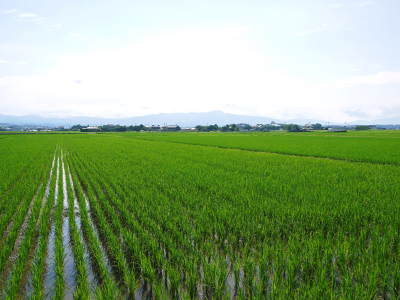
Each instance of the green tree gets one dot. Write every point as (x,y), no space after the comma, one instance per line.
(292,127)
(362,127)
(316,126)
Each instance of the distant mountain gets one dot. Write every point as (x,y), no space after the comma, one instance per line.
(201,118)
(388,121)
(181,119)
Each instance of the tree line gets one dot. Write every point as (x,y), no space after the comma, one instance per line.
(205,128)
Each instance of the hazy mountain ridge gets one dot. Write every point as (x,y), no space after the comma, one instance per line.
(182,119)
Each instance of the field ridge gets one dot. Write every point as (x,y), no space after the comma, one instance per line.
(272,152)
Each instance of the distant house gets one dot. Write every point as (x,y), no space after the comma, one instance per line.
(171,128)
(243,127)
(337,129)
(308,127)
(154,128)
(189,129)
(90,129)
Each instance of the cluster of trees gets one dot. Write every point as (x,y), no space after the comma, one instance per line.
(77,127)
(362,127)
(292,127)
(119,128)
(230,127)
(317,126)
(207,128)
(268,127)
(263,127)
(112,128)
(298,128)
(227,127)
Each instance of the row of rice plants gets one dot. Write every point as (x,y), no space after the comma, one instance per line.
(138,242)
(16,254)
(82,289)
(107,287)
(109,237)
(36,288)
(22,211)
(26,250)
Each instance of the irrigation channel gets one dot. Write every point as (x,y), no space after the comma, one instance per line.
(61,251)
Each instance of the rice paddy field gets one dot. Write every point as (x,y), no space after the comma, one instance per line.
(200,216)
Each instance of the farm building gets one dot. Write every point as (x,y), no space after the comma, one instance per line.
(154,128)
(243,127)
(171,128)
(339,129)
(90,129)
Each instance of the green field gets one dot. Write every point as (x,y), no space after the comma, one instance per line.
(200,215)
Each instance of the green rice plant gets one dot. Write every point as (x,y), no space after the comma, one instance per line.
(112,243)
(59,250)
(29,238)
(39,260)
(378,147)
(82,289)
(107,288)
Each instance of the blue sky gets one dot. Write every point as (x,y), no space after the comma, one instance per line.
(330,60)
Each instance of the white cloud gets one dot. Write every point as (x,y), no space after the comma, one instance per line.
(336,5)
(190,70)
(318,29)
(57,26)
(3,61)
(30,17)
(75,35)
(366,3)
(24,16)
(380,78)
(9,11)
(182,71)
(27,15)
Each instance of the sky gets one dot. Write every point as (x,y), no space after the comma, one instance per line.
(320,59)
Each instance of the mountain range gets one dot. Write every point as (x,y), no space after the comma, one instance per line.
(182,119)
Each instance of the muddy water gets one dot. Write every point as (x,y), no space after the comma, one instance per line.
(91,277)
(69,264)
(234,280)
(143,292)
(47,191)
(230,281)
(50,276)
